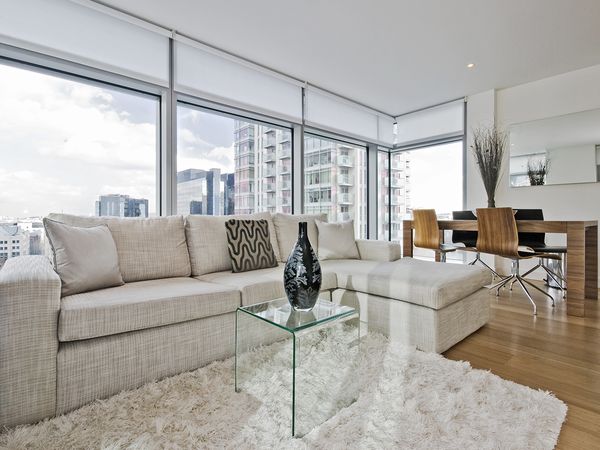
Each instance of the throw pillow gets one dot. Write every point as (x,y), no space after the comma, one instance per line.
(249,245)
(85,258)
(286,228)
(336,240)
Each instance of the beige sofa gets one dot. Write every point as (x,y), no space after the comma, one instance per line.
(176,310)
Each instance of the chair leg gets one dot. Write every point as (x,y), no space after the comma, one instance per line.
(528,295)
(499,285)
(539,264)
(554,277)
(539,289)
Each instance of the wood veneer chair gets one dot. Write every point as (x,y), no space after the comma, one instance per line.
(498,236)
(469,239)
(427,232)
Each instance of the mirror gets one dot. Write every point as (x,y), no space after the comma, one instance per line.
(558,150)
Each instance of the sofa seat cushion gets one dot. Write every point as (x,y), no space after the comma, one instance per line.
(148,248)
(426,283)
(141,305)
(262,285)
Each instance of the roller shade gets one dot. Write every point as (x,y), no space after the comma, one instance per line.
(326,111)
(78,33)
(202,71)
(433,123)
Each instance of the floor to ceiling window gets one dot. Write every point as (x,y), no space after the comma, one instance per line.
(68,145)
(230,165)
(335,181)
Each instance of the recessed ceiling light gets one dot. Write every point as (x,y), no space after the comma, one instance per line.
(470,65)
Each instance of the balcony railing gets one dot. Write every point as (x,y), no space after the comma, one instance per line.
(345,198)
(344,217)
(344,161)
(270,187)
(286,185)
(285,153)
(270,156)
(345,180)
(396,183)
(270,172)
(286,201)
(284,169)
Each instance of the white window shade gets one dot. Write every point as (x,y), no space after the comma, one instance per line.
(433,123)
(86,35)
(202,71)
(324,110)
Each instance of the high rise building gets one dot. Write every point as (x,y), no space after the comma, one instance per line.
(263,168)
(120,205)
(394,195)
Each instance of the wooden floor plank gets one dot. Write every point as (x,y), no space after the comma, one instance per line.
(552,351)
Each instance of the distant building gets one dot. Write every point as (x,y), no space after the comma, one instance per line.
(14,241)
(228,180)
(120,205)
(207,192)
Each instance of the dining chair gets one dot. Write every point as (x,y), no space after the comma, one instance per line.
(427,233)
(498,235)
(469,239)
(537,241)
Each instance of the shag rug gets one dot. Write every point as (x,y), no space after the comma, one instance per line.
(375,395)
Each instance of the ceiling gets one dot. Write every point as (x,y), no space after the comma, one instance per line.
(393,55)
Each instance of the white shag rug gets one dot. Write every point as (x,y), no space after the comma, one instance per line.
(404,399)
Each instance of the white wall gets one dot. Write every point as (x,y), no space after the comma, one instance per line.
(562,94)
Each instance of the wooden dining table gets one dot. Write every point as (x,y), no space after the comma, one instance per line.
(582,253)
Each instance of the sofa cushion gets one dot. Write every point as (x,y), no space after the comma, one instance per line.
(207,241)
(261,285)
(141,305)
(286,226)
(336,240)
(148,248)
(425,283)
(249,245)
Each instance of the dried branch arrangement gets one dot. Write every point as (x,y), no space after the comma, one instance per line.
(488,149)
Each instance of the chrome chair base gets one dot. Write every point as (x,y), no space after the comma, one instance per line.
(478,259)
(515,277)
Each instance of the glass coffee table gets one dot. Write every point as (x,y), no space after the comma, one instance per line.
(304,345)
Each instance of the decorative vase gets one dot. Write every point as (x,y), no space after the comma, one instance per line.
(302,274)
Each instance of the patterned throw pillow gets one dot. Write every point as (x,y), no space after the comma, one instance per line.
(249,245)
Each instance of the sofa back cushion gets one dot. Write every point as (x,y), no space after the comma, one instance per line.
(286,226)
(207,241)
(148,249)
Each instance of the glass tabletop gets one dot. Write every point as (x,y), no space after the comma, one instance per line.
(280,313)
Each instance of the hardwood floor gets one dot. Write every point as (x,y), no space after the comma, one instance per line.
(552,351)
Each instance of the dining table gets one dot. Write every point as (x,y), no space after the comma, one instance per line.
(582,253)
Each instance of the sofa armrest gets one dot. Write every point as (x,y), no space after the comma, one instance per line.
(373,250)
(29,308)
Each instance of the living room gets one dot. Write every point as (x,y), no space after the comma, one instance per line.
(309,225)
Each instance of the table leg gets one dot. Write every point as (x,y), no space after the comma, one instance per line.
(591,263)
(407,241)
(576,269)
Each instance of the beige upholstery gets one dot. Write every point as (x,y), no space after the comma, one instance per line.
(140,305)
(207,241)
(286,226)
(426,283)
(29,306)
(336,240)
(372,250)
(427,329)
(98,368)
(148,248)
(261,285)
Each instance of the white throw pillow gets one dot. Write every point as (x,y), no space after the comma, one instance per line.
(86,259)
(336,240)
(286,228)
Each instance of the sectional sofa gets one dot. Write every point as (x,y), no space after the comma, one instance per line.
(176,310)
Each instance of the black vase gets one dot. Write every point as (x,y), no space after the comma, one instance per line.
(302,274)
